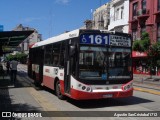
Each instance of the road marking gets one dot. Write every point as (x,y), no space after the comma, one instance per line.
(45,104)
(147,90)
(150,84)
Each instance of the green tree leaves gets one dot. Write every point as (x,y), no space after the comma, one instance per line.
(143,44)
(21,57)
(152,50)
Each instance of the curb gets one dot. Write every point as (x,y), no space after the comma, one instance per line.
(147,90)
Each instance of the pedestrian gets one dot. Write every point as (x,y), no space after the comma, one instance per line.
(1,70)
(8,66)
(13,66)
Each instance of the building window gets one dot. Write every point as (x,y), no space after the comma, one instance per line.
(158,5)
(143,4)
(158,32)
(117,14)
(134,35)
(122,9)
(135,7)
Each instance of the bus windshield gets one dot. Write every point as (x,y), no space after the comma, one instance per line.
(102,63)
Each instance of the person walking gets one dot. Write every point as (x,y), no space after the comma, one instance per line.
(13,67)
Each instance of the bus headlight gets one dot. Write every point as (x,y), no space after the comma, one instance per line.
(88,89)
(128,86)
(84,87)
(79,85)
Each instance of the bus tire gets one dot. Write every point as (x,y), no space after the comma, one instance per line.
(58,91)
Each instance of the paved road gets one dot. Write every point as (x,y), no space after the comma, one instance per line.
(26,97)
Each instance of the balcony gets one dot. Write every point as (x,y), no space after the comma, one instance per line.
(143,14)
(117,23)
(157,13)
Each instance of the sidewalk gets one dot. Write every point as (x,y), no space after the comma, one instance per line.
(146,84)
(19,97)
(16,98)
(24,97)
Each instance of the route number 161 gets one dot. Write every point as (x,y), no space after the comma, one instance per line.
(98,39)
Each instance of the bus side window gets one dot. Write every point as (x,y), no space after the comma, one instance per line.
(62,59)
(48,55)
(55,60)
(62,50)
(56,54)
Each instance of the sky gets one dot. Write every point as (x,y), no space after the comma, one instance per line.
(48,17)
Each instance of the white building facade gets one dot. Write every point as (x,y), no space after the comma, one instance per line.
(119,16)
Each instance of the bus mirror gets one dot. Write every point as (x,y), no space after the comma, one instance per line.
(72,50)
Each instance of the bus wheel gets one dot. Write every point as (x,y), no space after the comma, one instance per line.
(58,91)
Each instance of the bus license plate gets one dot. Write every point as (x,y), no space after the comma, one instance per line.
(107,96)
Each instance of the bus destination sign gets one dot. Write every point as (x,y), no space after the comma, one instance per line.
(120,41)
(105,39)
(97,39)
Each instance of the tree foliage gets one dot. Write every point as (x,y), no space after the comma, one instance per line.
(143,44)
(152,50)
(154,54)
(21,57)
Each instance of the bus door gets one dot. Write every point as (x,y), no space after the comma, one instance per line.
(41,59)
(69,66)
(67,69)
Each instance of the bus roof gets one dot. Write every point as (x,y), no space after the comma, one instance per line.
(64,36)
(71,34)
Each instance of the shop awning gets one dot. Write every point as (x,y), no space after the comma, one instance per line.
(9,40)
(13,38)
(138,54)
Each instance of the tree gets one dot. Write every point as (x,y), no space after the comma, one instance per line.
(21,57)
(143,44)
(152,50)
(10,57)
(154,54)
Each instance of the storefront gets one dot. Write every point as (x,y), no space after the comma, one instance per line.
(140,64)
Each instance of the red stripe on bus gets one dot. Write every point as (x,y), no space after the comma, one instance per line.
(80,95)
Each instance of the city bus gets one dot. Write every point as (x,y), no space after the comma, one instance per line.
(84,64)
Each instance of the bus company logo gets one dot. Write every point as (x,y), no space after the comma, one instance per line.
(72,35)
(47,70)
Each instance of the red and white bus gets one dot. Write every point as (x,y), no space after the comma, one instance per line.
(84,64)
